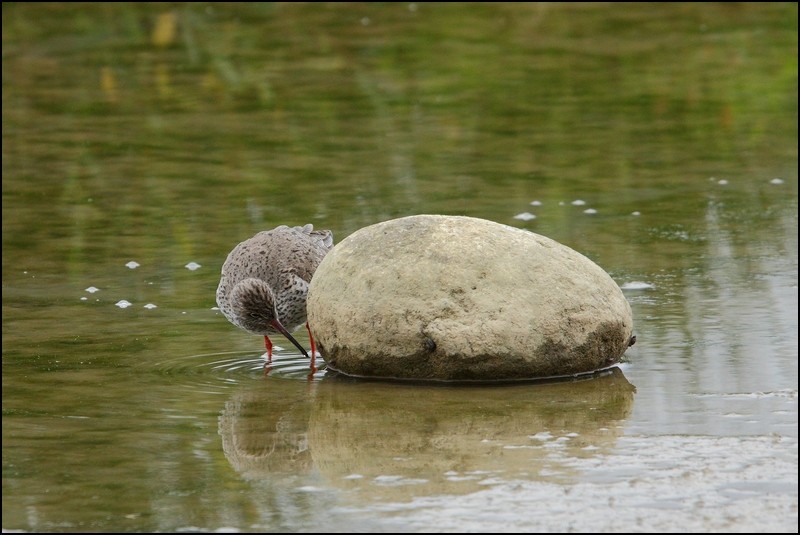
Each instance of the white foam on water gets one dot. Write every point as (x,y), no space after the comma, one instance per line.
(637,285)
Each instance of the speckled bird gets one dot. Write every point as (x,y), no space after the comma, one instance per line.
(265,280)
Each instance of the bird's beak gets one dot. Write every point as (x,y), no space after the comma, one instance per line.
(277,324)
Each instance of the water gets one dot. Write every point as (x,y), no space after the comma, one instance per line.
(141,143)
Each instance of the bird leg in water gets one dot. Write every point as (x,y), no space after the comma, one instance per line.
(268,345)
(313,348)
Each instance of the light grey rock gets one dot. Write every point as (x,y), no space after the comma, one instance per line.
(459,298)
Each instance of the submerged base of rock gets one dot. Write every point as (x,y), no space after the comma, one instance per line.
(457,298)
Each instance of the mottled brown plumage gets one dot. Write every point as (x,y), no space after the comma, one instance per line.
(265,280)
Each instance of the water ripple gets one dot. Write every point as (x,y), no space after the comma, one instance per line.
(220,370)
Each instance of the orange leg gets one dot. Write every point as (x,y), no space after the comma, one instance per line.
(313,350)
(268,364)
(268,345)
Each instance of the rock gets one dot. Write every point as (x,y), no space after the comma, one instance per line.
(459,298)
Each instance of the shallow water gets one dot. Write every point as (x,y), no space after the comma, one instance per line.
(136,134)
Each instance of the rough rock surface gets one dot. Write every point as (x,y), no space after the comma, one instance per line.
(460,298)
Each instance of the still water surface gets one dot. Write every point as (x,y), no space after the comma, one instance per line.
(658,140)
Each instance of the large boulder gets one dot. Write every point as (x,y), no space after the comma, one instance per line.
(460,298)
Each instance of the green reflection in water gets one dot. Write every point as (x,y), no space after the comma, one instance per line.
(166,134)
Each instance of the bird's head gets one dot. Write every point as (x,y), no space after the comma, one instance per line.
(253,303)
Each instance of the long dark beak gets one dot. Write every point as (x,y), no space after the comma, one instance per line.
(277,324)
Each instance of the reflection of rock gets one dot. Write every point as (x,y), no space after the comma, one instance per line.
(394,440)
(448,297)
(390,438)
(264,432)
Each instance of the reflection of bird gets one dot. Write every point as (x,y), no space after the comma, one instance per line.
(265,280)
